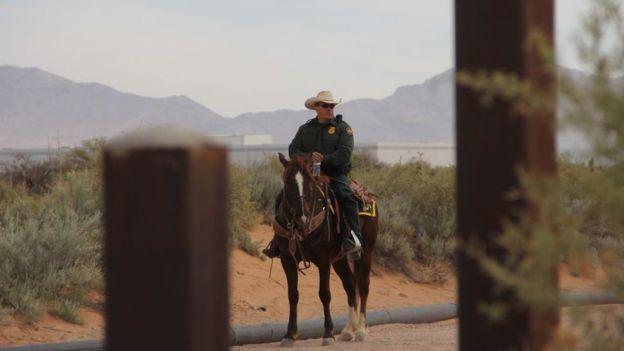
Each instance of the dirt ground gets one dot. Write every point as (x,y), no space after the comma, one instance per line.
(256,298)
(441,336)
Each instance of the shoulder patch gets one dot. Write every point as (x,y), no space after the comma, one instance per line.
(349,131)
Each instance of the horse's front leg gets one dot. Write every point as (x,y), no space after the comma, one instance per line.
(348,282)
(290,269)
(325,296)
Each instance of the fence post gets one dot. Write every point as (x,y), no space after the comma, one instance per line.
(166,242)
(491,35)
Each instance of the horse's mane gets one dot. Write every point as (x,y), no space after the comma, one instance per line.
(303,164)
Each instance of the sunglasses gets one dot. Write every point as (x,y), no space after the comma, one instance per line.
(324,105)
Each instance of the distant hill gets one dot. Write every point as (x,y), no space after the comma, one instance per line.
(417,113)
(40,109)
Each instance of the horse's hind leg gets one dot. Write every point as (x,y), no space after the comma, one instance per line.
(290,268)
(325,296)
(348,283)
(363,281)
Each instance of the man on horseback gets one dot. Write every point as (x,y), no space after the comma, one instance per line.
(329,140)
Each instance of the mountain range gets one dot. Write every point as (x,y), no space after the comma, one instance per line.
(40,109)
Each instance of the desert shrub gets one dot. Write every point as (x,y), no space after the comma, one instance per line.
(393,247)
(38,176)
(50,246)
(50,235)
(266,182)
(583,188)
(241,210)
(417,206)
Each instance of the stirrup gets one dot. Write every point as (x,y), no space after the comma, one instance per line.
(271,250)
(353,247)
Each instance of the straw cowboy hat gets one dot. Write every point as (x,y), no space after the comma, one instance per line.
(325,96)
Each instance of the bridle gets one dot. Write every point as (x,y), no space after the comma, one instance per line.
(309,216)
(313,220)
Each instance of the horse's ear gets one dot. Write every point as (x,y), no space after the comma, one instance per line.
(283,160)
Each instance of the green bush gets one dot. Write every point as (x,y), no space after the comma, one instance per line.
(584,188)
(266,182)
(50,246)
(241,210)
(51,233)
(417,205)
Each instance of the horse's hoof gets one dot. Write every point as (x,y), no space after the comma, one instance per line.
(328,341)
(287,343)
(360,336)
(345,336)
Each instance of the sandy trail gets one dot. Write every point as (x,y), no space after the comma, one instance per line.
(256,298)
(441,336)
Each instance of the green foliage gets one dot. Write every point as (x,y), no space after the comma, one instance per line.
(37,177)
(50,245)
(597,110)
(51,231)
(67,310)
(266,182)
(417,206)
(241,210)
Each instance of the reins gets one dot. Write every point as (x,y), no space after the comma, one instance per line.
(297,235)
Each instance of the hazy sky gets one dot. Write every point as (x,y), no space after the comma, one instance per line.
(240,56)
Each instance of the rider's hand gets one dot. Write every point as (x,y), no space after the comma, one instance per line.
(317,157)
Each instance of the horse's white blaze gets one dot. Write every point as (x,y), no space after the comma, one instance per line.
(299,179)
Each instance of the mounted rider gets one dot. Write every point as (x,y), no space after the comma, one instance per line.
(328,139)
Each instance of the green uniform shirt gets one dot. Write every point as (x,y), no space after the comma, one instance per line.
(334,140)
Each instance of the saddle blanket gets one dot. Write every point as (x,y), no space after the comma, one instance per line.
(369,209)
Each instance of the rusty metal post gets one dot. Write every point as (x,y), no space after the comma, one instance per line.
(166,243)
(492,141)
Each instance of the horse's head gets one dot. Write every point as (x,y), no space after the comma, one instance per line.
(303,193)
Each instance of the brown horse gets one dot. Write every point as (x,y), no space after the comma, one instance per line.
(306,231)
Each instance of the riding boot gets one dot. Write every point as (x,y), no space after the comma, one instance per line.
(352,246)
(272,249)
(349,205)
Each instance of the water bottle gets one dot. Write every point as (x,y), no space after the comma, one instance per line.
(316,169)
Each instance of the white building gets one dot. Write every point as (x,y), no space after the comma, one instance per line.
(244,139)
(436,154)
(247,149)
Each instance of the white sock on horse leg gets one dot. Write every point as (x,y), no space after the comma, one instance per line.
(348,333)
